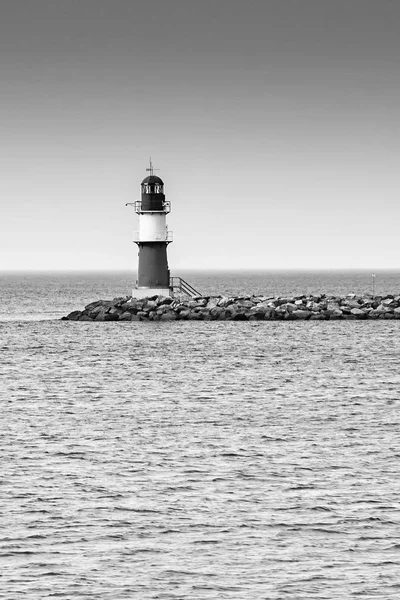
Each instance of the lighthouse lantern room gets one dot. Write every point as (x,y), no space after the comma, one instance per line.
(152,239)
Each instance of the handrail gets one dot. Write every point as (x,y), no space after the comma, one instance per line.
(184,287)
(138,207)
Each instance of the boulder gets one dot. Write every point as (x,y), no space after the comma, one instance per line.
(205,313)
(246,304)
(352,304)
(111,316)
(388,301)
(382,308)
(179,309)
(168,316)
(199,301)
(216,311)
(277,302)
(194,316)
(290,307)
(334,314)
(126,305)
(134,306)
(231,311)
(257,312)
(184,314)
(357,312)
(224,301)
(161,300)
(126,316)
(193,304)
(85,317)
(74,315)
(250,317)
(315,316)
(239,316)
(301,314)
(210,305)
(313,306)
(149,305)
(93,312)
(164,308)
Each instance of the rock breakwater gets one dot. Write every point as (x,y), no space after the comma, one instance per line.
(241,308)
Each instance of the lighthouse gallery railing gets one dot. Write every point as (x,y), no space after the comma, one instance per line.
(138,207)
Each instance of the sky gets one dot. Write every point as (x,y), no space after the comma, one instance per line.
(273,123)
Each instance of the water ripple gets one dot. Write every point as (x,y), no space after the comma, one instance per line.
(200,460)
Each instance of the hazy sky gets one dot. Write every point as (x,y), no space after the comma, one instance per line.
(275,125)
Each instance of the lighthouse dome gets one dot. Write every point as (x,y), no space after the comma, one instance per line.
(152,179)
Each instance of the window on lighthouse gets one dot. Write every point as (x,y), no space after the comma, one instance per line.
(152,189)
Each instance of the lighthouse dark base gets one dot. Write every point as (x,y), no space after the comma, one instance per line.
(153,269)
(153,272)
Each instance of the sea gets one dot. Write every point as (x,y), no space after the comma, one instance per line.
(197,460)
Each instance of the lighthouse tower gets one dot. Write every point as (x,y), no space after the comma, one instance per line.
(152,239)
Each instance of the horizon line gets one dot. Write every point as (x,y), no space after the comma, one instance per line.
(214,270)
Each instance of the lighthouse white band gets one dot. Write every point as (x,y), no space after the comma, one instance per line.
(152,228)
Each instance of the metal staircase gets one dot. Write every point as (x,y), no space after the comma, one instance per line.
(179,284)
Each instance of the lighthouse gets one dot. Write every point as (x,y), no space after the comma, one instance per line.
(152,239)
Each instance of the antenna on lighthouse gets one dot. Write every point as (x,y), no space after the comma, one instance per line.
(151,169)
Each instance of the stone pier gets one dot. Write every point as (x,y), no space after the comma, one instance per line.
(241,308)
